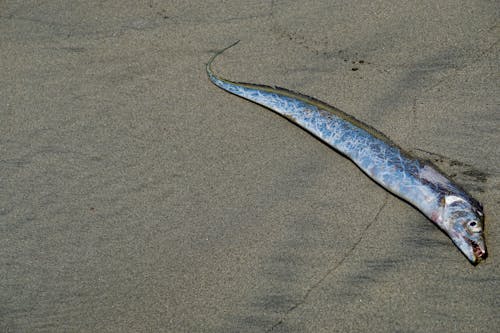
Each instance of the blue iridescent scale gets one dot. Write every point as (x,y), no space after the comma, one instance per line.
(413,180)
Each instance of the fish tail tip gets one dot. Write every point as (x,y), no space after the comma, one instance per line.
(209,63)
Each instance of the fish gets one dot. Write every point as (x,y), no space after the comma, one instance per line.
(414,180)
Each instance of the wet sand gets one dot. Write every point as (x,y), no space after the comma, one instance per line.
(137,196)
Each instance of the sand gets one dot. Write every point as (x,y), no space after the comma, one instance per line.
(136,196)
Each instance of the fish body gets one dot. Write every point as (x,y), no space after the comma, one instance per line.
(417,181)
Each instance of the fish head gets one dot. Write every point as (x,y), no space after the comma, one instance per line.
(463,220)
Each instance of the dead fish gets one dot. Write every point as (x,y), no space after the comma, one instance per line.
(416,181)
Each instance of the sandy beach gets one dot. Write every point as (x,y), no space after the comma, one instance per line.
(135,196)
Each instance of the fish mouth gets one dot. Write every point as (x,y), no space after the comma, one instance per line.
(479,253)
(474,250)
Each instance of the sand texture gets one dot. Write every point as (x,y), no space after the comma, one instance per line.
(135,196)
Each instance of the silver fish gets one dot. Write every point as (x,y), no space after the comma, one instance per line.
(416,181)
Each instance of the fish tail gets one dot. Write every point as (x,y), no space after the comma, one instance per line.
(209,63)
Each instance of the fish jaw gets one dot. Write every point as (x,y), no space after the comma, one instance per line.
(473,249)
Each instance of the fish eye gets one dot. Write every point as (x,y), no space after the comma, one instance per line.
(474,226)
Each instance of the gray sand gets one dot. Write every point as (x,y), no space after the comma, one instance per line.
(136,196)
